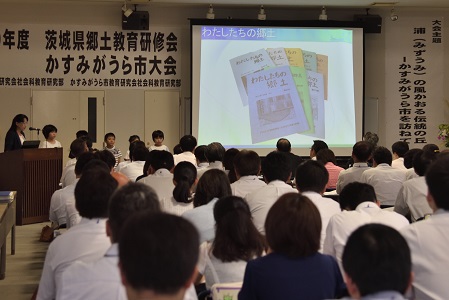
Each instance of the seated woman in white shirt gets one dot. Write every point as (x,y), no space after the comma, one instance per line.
(236,242)
(184,178)
(49,131)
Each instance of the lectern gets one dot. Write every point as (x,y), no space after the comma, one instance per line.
(35,175)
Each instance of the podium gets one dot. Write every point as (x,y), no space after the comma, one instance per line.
(35,175)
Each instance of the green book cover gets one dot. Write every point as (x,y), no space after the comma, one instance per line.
(302,85)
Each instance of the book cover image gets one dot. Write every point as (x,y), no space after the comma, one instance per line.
(295,57)
(278,56)
(302,85)
(247,64)
(274,105)
(316,92)
(323,68)
(310,60)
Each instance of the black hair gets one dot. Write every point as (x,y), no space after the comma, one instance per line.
(82,161)
(133,138)
(177,149)
(312,176)
(47,129)
(437,178)
(355,193)
(215,152)
(17,119)
(400,148)
(284,145)
(382,155)
(77,147)
(431,148)
(126,201)
(162,160)
(377,258)
(81,133)
(151,261)
(247,162)
(184,175)
(408,157)
(200,153)
(318,145)
(362,151)
(236,237)
(139,153)
(228,163)
(422,160)
(92,192)
(108,135)
(187,143)
(107,157)
(213,184)
(276,166)
(157,134)
(326,155)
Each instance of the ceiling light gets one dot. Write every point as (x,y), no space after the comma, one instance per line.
(261,16)
(323,15)
(210,13)
(126,11)
(393,15)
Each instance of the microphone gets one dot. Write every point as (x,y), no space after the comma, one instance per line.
(33,128)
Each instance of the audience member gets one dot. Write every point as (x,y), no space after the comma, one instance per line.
(317,146)
(228,163)
(177,149)
(77,147)
(361,153)
(134,169)
(109,144)
(399,149)
(276,171)
(158,139)
(284,145)
(132,139)
(377,263)
(311,179)
(412,198)
(247,169)
(200,155)
(385,180)
(428,240)
(214,184)
(101,279)
(215,154)
(160,176)
(160,267)
(408,163)
(187,144)
(236,242)
(371,138)
(294,269)
(184,179)
(49,131)
(109,159)
(360,207)
(87,240)
(327,158)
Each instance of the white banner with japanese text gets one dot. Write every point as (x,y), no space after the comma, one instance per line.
(68,56)
(414,80)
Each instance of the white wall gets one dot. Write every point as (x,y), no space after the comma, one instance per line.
(127,121)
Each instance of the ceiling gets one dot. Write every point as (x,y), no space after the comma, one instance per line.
(268,3)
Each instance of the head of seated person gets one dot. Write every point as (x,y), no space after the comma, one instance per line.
(355,193)
(362,151)
(276,166)
(376,259)
(161,160)
(399,149)
(311,176)
(215,152)
(382,155)
(213,184)
(247,163)
(159,267)
(284,145)
(188,143)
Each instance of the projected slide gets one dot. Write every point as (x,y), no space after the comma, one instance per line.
(257,85)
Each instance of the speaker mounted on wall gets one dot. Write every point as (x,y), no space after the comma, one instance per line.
(138,20)
(371,23)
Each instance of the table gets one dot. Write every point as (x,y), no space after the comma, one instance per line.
(7,223)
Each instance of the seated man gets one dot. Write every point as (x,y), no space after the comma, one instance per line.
(361,153)
(215,154)
(200,155)
(187,144)
(377,264)
(134,169)
(399,149)
(160,176)
(276,171)
(385,180)
(77,147)
(247,169)
(85,241)
(317,146)
(359,204)
(311,179)
(428,240)
(284,145)
(164,271)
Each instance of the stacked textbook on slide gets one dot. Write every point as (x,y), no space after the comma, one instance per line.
(285,90)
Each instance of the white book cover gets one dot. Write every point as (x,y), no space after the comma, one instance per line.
(278,56)
(274,105)
(316,92)
(247,64)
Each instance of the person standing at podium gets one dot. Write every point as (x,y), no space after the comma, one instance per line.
(15,136)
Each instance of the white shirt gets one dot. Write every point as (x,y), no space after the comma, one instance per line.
(45,144)
(68,175)
(398,164)
(412,199)
(133,169)
(213,165)
(99,280)
(70,162)
(160,148)
(246,185)
(327,208)
(86,242)
(261,200)
(162,183)
(58,212)
(217,271)
(428,241)
(202,217)
(344,223)
(73,216)
(351,175)
(386,182)
(410,173)
(185,156)
(171,206)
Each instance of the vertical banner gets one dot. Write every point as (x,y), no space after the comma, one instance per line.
(414,103)
(83,57)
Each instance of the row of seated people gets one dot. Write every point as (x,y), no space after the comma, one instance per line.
(293,231)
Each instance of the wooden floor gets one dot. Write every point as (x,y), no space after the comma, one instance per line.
(23,270)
